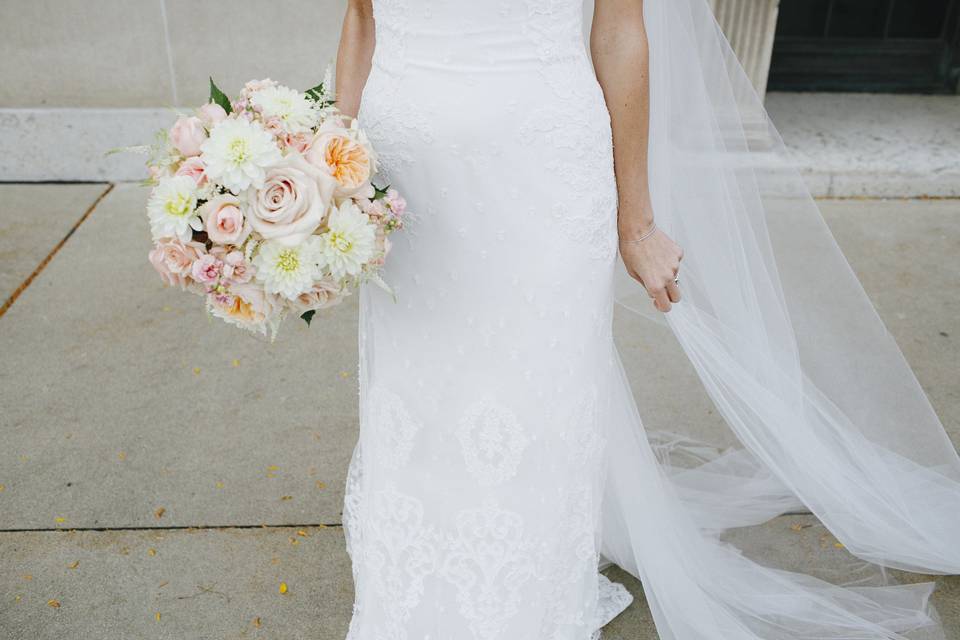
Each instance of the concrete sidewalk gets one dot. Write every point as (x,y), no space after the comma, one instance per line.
(153,463)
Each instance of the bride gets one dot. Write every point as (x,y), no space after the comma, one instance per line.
(501,451)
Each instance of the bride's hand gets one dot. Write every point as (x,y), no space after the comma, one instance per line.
(654,262)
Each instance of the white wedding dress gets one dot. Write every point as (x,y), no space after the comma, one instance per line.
(500,448)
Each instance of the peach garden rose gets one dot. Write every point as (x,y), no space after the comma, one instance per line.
(345,154)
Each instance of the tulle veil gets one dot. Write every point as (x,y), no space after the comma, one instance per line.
(796,360)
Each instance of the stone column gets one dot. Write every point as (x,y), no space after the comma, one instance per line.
(749,26)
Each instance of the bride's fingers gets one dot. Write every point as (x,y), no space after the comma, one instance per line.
(673,291)
(661,300)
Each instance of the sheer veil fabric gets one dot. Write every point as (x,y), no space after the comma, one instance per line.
(797,361)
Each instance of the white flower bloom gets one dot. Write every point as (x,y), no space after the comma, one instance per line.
(237,154)
(349,242)
(289,271)
(172,208)
(296,112)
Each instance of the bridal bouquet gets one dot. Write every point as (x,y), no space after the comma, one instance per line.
(266,205)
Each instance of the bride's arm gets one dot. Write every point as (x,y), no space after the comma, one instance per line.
(353,57)
(618,44)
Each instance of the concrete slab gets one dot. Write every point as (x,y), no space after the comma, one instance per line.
(311,31)
(216,584)
(219,584)
(33,219)
(72,144)
(60,53)
(120,398)
(907,255)
(857,144)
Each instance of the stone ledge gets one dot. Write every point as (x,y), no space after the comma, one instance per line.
(846,145)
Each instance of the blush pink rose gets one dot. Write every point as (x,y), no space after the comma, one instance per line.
(194,168)
(293,202)
(174,260)
(324,293)
(187,134)
(223,220)
(211,114)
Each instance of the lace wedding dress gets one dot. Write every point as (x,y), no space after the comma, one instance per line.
(498,431)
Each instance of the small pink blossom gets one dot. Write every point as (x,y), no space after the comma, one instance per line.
(299,142)
(396,202)
(382,243)
(187,134)
(373,208)
(274,126)
(207,269)
(257,85)
(236,268)
(194,168)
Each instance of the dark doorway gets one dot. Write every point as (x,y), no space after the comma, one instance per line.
(867,45)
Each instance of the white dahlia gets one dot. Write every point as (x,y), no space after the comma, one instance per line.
(288,271)
(350,240)
(295,112)
(237,154)
(172,208)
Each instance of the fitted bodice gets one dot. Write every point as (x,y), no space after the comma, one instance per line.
(471,35)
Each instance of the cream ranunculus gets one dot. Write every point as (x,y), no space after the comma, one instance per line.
(293,201)
(345,154)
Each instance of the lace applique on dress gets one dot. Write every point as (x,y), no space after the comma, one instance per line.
(394,427)
(492,441)
(488,561)
(399,551)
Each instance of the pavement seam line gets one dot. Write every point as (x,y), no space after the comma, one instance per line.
(214,527)
(43,263)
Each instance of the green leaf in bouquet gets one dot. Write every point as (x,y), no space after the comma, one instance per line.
(307,316)
(219,97)
(316,93)
(380,193)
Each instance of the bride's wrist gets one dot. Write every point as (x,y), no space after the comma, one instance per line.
(635,233)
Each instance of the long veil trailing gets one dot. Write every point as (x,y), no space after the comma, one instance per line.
(798,363)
